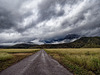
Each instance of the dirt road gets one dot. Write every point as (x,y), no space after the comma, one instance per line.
(38,64)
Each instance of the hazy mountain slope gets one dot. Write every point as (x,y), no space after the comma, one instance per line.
(84,42)
(91,42)
(67,39)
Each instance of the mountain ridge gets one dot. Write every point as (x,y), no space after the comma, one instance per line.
(83,42)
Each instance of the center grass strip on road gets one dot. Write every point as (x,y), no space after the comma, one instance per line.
(79,61)
(9,57)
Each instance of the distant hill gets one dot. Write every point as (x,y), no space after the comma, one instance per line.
(20,46)
(89,42)
(83,42)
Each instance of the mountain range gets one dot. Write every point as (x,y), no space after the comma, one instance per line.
(67,39)
(70,41)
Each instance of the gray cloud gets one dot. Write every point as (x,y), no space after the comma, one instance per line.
(23,20)
(5,19)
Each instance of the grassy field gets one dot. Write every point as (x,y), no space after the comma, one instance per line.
(9,57)
(83,61)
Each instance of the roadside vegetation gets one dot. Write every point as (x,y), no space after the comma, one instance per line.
(9,57)
(81,61)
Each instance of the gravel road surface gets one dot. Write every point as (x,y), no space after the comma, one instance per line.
(38,64)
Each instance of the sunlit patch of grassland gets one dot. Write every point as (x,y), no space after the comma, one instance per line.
(83,61)
(5,56)
(18,50)
(10,56)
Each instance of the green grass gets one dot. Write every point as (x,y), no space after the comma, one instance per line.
(5,56)
(83,61)
(9,57)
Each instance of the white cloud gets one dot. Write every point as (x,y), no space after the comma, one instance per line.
(37,41)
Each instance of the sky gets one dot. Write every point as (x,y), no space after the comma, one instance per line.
(35,20)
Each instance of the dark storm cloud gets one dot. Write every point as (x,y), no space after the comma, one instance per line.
(47,9)
(36,20)
(87,20)
(8,14)
(6,19)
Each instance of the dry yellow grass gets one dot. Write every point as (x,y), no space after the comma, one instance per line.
(18,50)
(10,56)
(87,58)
